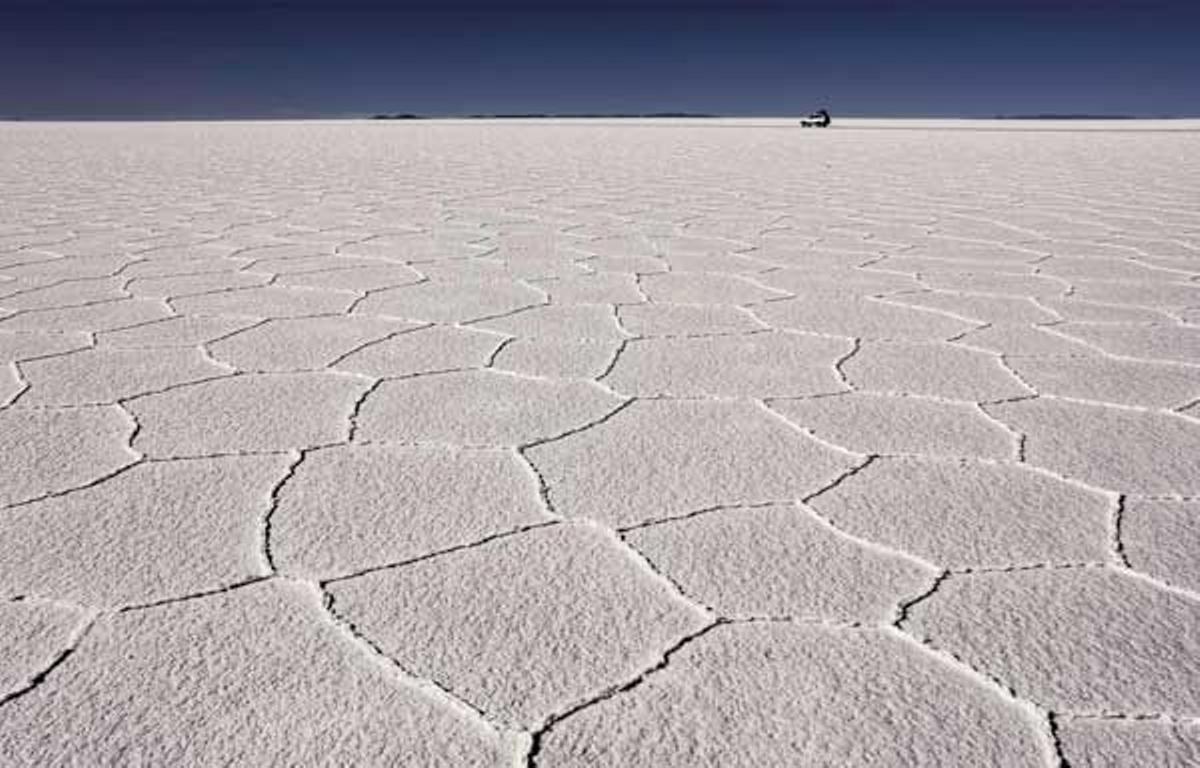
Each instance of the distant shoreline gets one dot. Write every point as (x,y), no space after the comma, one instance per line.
(704,115)
(383,116)
(1081,116)
(698,116)
(550,116)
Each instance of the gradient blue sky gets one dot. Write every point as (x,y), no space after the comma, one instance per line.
(293,58)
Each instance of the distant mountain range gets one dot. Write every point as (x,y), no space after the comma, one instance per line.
(1078,116)
(556,116)
(603,115)
(628,115)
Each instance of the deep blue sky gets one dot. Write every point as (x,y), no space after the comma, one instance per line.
(190,58)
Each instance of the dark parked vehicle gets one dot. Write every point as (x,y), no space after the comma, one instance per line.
(818,119)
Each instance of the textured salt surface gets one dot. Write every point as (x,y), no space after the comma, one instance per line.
(599,444)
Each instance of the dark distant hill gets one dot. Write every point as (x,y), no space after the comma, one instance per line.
(1070,116)
(547,115)
(586,115)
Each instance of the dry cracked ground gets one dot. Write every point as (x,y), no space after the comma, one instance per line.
(562,445)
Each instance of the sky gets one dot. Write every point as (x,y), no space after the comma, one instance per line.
(316,58)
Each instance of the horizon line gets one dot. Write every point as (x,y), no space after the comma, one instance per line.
(674,115)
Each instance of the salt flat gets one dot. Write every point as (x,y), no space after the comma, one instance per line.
(661,443)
